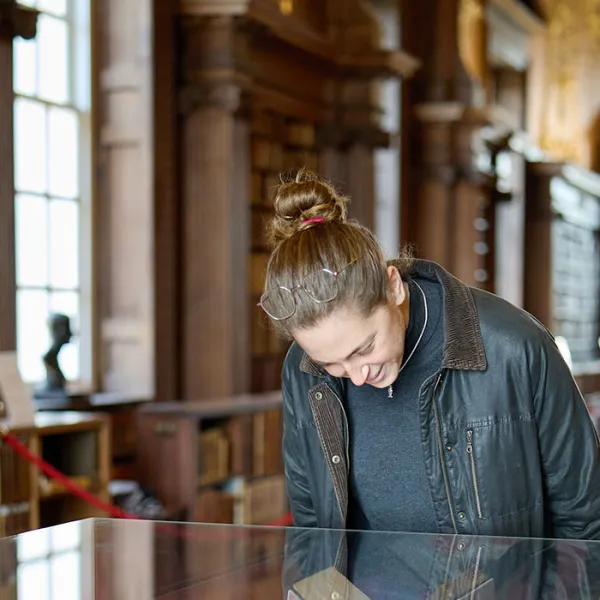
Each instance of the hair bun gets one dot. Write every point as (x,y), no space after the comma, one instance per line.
(300,201)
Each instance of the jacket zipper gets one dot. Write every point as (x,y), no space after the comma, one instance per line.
(441,450)
(474,472)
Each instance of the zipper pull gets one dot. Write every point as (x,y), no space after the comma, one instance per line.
(469,441)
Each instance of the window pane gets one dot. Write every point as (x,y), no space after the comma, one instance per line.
(31,232)
(66,537)
(57,7)
(52,38)
(64,244)
(30,146)
(24,66)
(32,333)
(26,2)
(33,544)
(66,576)
(63,134)
(32,581)
(67,303)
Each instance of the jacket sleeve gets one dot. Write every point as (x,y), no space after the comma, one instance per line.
(569,449)
(298,490)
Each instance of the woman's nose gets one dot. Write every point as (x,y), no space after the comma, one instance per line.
(358,374)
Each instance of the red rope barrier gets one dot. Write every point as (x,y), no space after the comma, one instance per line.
(52,472)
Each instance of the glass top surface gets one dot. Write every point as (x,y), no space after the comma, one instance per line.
(145,560)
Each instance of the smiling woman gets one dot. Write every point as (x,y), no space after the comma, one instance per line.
(403,386)
(329,287)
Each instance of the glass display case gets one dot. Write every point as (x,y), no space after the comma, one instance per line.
(145,560)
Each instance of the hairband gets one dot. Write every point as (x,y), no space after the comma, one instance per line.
(318,220)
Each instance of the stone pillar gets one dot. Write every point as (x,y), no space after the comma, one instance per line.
(14,21)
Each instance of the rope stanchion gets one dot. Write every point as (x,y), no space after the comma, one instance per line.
(114,511)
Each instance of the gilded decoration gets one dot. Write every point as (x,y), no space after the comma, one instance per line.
(571,73)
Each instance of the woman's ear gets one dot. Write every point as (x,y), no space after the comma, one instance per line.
(396,289)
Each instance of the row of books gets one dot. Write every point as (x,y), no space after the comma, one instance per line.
(248,447)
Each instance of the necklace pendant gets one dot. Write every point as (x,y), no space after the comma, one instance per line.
(390,392)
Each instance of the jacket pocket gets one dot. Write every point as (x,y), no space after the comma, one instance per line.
(500,467)
(474,478)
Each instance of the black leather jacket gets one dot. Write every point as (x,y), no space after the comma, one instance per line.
(508,444)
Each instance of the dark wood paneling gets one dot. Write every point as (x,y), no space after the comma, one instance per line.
(7,203)
(14,21)
(167,239)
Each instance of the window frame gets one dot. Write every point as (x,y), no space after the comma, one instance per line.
(78,19)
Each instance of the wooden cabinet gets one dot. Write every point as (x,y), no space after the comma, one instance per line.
(77,444)
(218,460)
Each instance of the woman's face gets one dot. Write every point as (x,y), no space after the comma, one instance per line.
(365,349)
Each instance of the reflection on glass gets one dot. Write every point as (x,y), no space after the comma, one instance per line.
(52,38)
(33,544)
(32,333)
(66,576)
(30,146)
(66,537)
(67,303)
(49,563)
(31,238)
(63,133)
(24,62)
(32,581)
(57,7)
(64,244)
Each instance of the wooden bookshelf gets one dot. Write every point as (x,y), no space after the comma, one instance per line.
(278,144)
(217,460)
(78,444)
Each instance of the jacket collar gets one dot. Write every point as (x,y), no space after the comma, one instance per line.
(463,342)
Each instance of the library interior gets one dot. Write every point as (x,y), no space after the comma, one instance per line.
(160,438)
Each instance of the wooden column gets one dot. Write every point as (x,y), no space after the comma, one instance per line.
(361,184)
(216,222)
(434,178)
(167,224)
(537,279)
(443,194)
(14,21)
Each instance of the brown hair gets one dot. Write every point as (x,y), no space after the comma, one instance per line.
(310,232)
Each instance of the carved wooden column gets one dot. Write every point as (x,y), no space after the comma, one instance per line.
(216,185)
(14,21)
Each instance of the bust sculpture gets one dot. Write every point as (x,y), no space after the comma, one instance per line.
(60,334)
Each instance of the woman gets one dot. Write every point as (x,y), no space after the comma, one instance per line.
(413,402)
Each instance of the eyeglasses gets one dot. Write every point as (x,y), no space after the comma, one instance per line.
(321,287)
